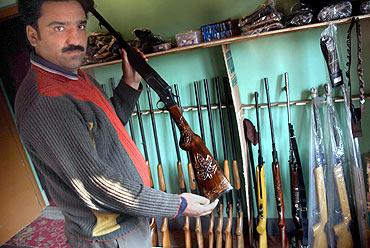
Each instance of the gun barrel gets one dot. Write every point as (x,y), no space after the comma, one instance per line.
(286,79)
(175,140)
(199,108)
(139,116)
(260,158)
(219,104)
(154,126)
(270,115)
(210,117)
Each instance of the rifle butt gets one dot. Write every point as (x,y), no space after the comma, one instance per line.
(320,238)
(187,232)
(239,230)
(344,236)
(211,181)
(228,228)
(166,241)
(319,234)
(219,226)
(153,232)
(199,232)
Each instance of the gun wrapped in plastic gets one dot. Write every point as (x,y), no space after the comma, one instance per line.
(320,238)
(329,50)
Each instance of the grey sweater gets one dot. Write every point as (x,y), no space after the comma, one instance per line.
(76,139)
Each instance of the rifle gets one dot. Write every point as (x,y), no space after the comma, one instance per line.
(186,227)
(320,238)
(279,197)
(166,242)
(211,181)
(298,192)
(153,222)
(194,190)
(226,167)
(341,230)
(228,236)
(239,207)
(261,186)
(251,138)
(199,109)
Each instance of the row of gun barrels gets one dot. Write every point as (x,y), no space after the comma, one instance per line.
(216,236)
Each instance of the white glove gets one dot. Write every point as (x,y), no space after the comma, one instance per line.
(198,205)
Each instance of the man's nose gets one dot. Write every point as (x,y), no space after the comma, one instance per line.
(74,37)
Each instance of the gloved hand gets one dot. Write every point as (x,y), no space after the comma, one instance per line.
(198,205)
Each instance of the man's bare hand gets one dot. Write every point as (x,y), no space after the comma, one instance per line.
(130,76)
(198,205)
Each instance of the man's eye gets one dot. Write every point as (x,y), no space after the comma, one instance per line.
(82,26)
(59,28)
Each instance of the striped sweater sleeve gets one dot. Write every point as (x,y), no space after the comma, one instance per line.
(123,100)
(60,138)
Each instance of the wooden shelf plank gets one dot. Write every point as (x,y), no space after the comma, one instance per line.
(8,12)
(237,39)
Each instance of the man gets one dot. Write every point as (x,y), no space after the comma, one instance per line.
(93,170)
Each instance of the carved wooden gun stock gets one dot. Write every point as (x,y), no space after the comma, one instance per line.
(198,222)
(211,182)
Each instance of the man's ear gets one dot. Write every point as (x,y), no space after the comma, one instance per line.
(32,35)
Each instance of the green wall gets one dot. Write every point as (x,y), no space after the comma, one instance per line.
(297,53)
(168,17)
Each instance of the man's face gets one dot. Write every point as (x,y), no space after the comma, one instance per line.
(61,37)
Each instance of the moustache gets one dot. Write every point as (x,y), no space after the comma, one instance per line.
(72,48)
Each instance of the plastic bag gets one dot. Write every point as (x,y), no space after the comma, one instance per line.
(340,199)
(270,27)
(264,19)
(264,10)
(335,11)
(329,50)
(365,7)
(301,14)
(318,217)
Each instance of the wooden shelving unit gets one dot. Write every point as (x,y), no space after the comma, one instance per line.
(237,39)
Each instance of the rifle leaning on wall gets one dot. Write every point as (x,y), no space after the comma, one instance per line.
(198,224)
(319,234)
(166,241)
(211,181)
(261,186)
(279,197)
(298,191)
(180,176)
(219,234)
(239,207)
(214,149)
(341,230)
(153,222)
(239,211)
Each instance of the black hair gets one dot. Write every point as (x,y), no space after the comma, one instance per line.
(30,10)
